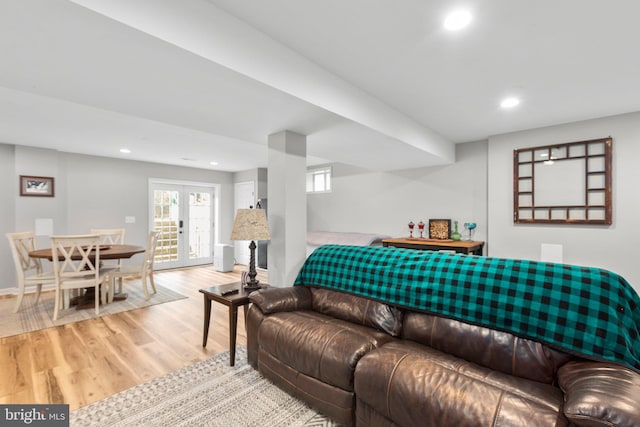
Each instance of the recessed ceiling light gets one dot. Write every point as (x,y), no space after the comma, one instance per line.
(457,20)
(509,102)
(125,150)
(213,163)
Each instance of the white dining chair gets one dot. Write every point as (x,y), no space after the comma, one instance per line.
(76,264)
(144,270)
(28,270)
(110,236)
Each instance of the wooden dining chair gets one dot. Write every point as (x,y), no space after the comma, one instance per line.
(144,270)
(76,264)
(28,270)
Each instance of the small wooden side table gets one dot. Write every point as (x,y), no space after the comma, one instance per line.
(233,301)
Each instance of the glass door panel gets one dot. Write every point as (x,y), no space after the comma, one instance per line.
(166,221)
(200,226)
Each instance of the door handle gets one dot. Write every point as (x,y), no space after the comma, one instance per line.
(180,225)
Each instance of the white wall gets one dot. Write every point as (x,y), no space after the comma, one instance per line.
(385,202)
(39,162)
(8,186)
(613,247)
(94,192)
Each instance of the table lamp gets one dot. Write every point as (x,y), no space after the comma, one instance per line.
(251,224)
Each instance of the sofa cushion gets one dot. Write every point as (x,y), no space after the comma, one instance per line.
(317,345)
(359,310)
(493,349)
(411,384)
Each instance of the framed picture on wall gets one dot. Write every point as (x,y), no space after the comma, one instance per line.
(36,186)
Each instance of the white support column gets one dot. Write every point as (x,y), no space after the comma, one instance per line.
(287,168)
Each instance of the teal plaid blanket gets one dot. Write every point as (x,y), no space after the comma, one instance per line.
(589,312)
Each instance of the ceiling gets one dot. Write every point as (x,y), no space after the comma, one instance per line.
(379,85)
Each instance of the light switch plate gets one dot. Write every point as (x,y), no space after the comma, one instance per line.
(129,219)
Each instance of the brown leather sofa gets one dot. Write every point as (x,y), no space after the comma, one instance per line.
(365,363)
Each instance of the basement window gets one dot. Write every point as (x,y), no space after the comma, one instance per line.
(319,180)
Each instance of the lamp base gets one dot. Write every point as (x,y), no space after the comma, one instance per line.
(252,286)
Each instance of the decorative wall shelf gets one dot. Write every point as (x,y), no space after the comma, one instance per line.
(567,183)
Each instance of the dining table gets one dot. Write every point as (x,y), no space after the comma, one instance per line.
(107,252)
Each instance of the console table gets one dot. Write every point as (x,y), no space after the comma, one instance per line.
(469,247)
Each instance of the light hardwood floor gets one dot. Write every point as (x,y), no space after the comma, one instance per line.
(82,362)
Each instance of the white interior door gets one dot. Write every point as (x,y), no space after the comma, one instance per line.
(183,215)
(244,197)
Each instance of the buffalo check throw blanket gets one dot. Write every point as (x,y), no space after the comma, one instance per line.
(590,312)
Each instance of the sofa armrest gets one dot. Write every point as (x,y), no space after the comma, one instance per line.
(600,394)
(274,300)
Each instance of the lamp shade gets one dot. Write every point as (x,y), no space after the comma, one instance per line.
(250,224)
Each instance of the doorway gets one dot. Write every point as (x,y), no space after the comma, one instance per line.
(184,217)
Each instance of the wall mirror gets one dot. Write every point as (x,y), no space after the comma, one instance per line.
(567,183)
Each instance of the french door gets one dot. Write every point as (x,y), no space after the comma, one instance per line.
(183,215)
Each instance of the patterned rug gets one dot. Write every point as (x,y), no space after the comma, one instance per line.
(208,393)
(32,317)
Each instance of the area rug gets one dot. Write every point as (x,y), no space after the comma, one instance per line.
(208,393)
(32,317)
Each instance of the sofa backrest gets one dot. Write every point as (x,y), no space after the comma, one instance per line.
(493,349)
(582,310)
(359,310)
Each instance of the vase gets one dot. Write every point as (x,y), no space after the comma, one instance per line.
(456,234)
